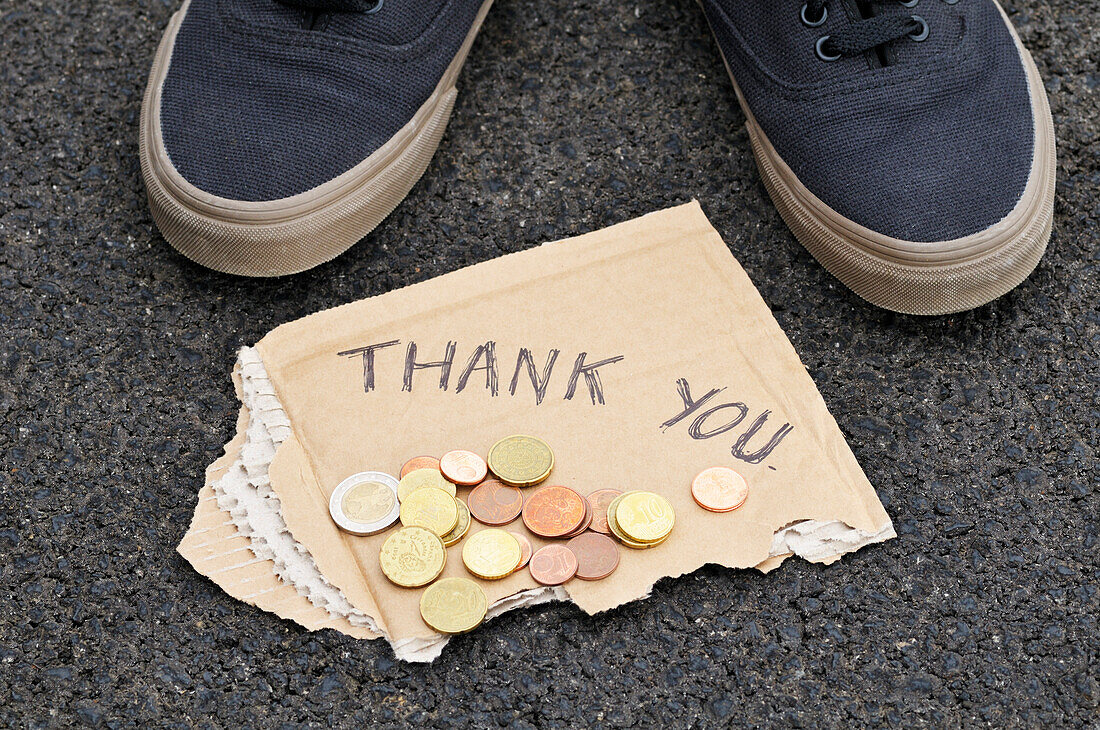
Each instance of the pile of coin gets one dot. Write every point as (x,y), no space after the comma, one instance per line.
(434,516)
(640,520)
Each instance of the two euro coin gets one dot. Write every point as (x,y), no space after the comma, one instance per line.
(365,503)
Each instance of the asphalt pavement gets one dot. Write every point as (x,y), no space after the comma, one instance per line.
(980,431)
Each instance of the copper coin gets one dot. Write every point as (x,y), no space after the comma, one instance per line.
(719,489)
(554,511)
(524,548)
(419,462)
(463,467)
(597,555)
(552,565)
(599,500)
(584,523)
(493,503)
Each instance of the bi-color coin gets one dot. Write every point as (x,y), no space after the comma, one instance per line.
(365,503)
(521,461)
(453,605)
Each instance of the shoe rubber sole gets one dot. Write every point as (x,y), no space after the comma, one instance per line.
(924,278)
(286,236)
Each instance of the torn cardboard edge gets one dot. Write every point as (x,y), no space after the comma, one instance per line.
(239,513)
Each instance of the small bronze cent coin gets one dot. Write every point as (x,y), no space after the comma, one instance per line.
(552,565)
(420,462)
(599,501)
(493,503)
(597,555)
(521,461)
(524,547)
(719,489)
(463,467)
(554,511)
(584,522)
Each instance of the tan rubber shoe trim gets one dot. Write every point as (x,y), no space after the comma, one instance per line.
(938,277)
(278,237)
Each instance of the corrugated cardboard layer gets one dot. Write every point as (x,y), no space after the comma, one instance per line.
(215,548)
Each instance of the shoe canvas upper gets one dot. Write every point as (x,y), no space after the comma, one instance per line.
(263,101)
(921,141)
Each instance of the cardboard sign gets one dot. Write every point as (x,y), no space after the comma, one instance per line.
(641,353)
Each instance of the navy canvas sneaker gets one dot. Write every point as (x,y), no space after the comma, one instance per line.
(908,145)
(277,133)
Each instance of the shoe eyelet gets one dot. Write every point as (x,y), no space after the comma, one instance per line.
(921,34)
(951,2)
(819,48)
(376,8)
(911,3)
(813,23)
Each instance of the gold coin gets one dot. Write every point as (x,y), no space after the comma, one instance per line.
(421,478)
(461,528)
(644,516)
(645,545)
(412,557)
(453,605)
(432,509)
(613,526)
(491,554)
(521,461)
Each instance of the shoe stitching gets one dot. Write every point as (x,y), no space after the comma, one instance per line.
(961,56)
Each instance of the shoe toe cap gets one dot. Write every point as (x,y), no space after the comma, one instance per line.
(262,118)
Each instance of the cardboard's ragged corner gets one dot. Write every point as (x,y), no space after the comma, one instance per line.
(641,353)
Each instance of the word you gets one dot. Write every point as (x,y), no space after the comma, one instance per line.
(711,419)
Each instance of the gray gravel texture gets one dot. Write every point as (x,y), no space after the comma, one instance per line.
(981,431)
